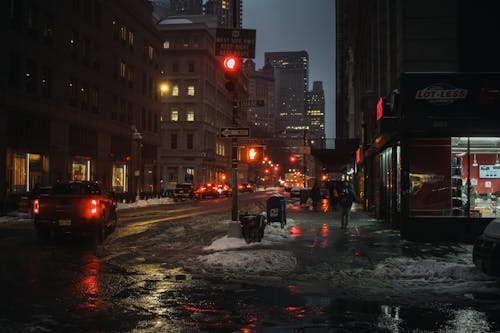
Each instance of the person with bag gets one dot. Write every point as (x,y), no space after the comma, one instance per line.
(347,197)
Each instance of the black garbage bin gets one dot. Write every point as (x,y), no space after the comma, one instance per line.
(276,209)
(252,227)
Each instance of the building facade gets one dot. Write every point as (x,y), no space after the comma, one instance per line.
(229,13)
(315,110)
(418,84)
(291,72)
(79,97)
(197,104)
(261,118)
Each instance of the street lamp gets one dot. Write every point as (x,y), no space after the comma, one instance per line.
(137,142)
(164,89)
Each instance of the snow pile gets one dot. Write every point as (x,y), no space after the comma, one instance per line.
(235,256)
(424,269)
(144,203)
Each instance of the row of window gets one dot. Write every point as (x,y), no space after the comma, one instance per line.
(189,141)
(30,76)
(127,37)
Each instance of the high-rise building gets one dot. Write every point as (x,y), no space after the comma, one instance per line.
(315,108)
(260,88)
(291,72)
(229,13)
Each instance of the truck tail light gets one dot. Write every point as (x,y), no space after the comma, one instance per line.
(93,207)
(36,206)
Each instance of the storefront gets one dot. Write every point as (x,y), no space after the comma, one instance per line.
(438,171)
(25,171)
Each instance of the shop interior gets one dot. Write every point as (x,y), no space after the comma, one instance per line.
(475,160)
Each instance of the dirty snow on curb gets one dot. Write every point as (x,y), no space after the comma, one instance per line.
(234,255)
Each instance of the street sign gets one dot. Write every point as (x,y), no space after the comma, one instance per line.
(251,103)
(237,42)
(233,132)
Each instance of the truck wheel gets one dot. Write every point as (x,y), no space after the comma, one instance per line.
(99,233)
(42,232)
(114,222)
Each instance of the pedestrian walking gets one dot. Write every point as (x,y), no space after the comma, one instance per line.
(315,195)
(333,194)
(347,197)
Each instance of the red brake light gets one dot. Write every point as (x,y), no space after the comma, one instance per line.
(93,207)
(36,206)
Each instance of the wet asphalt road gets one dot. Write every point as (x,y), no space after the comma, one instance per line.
(144,279)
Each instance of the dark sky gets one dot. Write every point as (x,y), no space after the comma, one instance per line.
(296,25)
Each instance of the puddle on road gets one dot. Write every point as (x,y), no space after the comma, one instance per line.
(249,308)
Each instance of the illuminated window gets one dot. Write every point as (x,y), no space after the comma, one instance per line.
(131,38)
(175,90)
(123,33)
(190,90)
(123,69)
(150,52)
(166,44)
(174,115)
(190,115)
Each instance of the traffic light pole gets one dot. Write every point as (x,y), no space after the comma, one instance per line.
(234,225)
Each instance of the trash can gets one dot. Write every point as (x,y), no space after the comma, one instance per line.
(252,227)
(276,209)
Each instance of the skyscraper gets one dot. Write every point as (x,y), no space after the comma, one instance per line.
(225,12)
(291,72)
(315,106)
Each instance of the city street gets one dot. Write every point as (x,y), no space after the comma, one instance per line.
(170,268)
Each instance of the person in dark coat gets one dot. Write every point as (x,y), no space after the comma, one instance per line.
(347,197)
(315,196)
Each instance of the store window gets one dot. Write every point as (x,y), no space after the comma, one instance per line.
(27,171)
(457,176)
(475,176)
(80,169)
(119,177)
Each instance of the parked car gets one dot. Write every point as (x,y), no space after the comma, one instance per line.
(206,191)
(76,206)
(486,250)
(224,190)
(183,191)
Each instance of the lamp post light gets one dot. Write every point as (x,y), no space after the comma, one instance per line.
(137,143)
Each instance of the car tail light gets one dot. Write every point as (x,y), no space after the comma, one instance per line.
(36,206)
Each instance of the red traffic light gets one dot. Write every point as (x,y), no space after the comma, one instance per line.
(293,159)
(230,63)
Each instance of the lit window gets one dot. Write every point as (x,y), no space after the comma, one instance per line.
(131,38)
(123,32)
(175,90)
(190,115)
(174,115)
(150,52)
(123,69)
(166,44)
(190,90)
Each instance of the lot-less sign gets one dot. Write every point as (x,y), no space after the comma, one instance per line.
(237,42)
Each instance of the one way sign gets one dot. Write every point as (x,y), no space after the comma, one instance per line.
(232,132)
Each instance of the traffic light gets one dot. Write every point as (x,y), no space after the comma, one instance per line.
(293,158)
(254,154)
(231,66)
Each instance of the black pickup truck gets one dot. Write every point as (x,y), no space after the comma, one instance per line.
(183,191)
(76,206)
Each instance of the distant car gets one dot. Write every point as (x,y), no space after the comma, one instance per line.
(486,250)
(295,192)
(183,191)
(206,191)
(247,187)
(225,190)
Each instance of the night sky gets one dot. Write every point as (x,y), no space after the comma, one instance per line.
(296,25)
